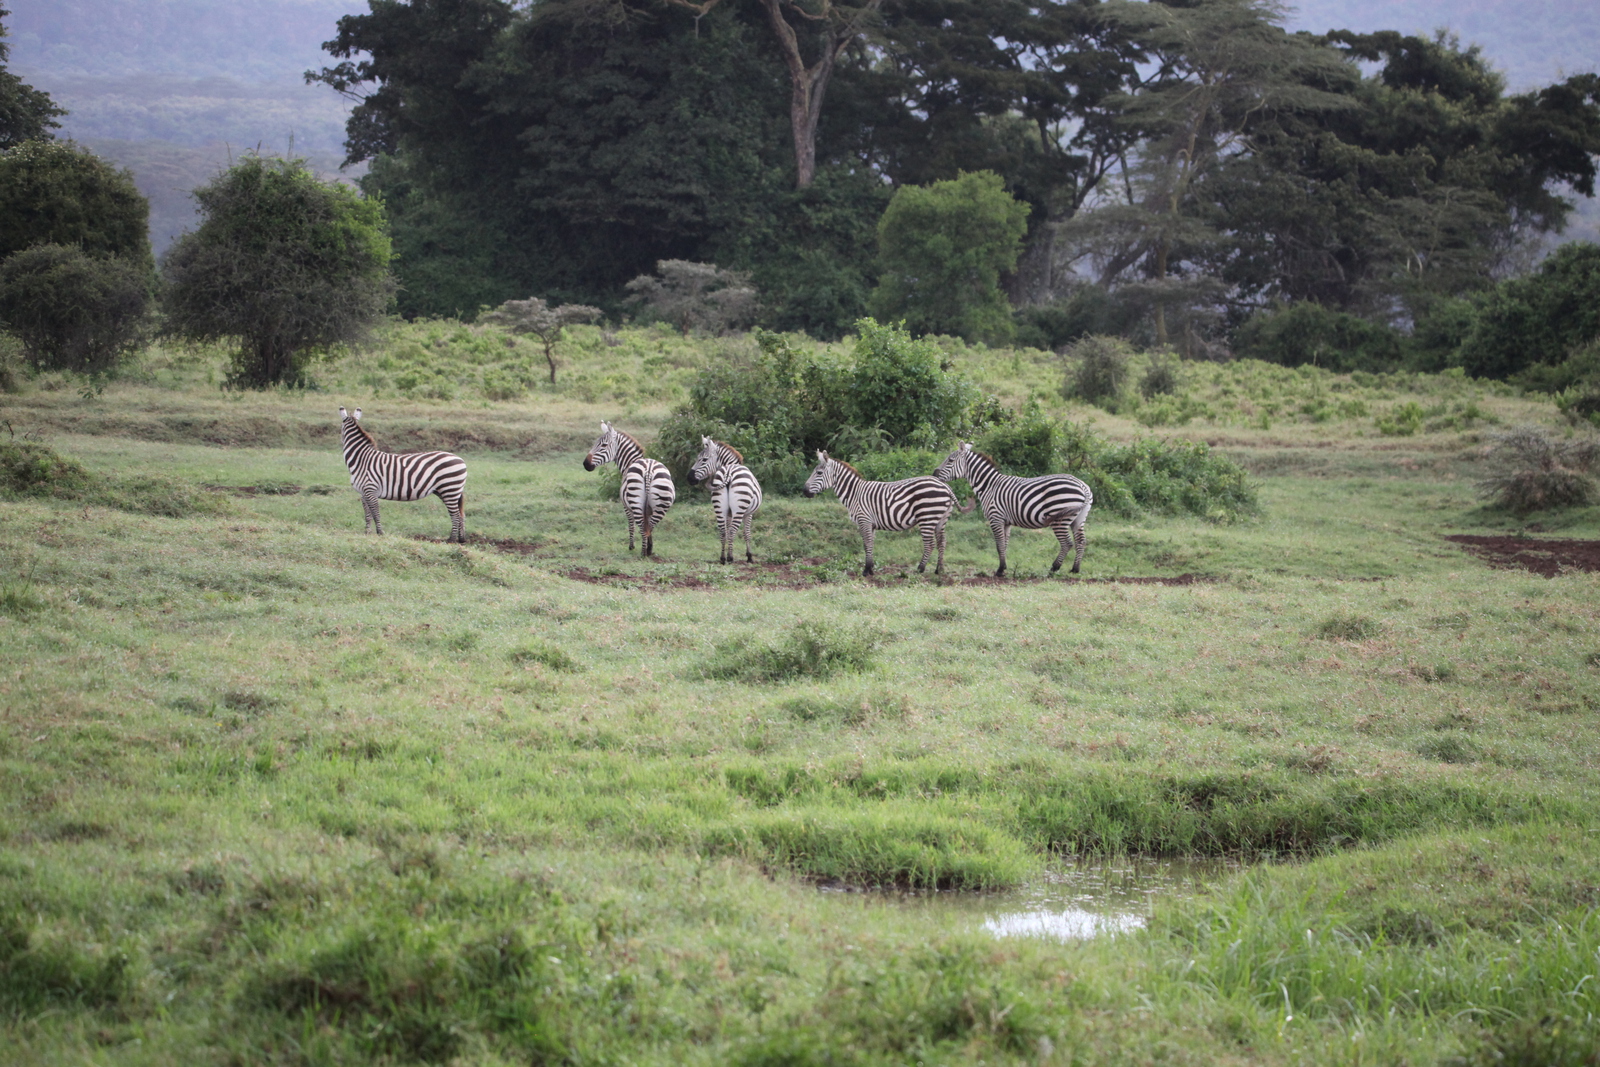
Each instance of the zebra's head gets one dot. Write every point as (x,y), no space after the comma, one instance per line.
(706,464)
(604,448)
(822,477)
(956,464)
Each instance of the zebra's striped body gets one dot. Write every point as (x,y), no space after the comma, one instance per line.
(1058,501)
(735,494)
(925,503)
(379,475)
(647,489)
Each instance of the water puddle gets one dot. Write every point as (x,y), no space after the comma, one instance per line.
(1083,900)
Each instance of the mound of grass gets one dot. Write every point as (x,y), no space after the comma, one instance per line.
(1349,626)
(31,469)
(544,653)
(813,650)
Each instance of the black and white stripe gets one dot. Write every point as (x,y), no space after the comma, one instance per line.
(925,503)
(735,493)
(379,475)
(1058,501)
(647,489)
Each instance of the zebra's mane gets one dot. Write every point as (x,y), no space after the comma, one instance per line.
(987,459)
(362,430)
(736,453)
(629,436)
(848,467)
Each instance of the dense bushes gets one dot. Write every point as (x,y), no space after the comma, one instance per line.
(1310,333)
(1531,471)
(1540,319)
(73,311)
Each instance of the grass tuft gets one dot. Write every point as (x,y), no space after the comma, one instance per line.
(547,654)
(1348,626)
(813,650)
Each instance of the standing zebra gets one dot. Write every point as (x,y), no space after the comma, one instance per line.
(379,475)
(647,489)
(924,502)
(1058,501)
(735,494)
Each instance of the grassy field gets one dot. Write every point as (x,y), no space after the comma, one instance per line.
(274,791)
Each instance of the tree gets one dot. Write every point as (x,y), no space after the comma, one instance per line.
(26,113)
(289,266)
(696,296)
(942,249)
(534,316)
(1220,68)
(1539,319)
(73,311)
(54,192)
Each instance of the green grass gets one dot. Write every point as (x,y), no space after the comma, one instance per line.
(275,791)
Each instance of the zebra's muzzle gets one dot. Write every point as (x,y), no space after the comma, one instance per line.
(588,463)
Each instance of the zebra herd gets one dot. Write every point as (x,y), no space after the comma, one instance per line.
(1059,502)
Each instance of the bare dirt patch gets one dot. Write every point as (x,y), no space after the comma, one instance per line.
(1548,556)
(804,574)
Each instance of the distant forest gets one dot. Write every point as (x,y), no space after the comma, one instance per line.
(562,147)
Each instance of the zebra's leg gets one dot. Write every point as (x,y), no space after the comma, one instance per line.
(647,534)
(749,550)
(867,535)
(458,528)
(939,533)
(1063,532)
(928,537)
(630,531)
(1079,536)
(369,499)
(1002,534)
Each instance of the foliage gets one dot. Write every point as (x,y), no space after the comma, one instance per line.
(942,249)
(1530,470)
(1099,371)
(289,266)
(543,321)
(1307,332)
(695,296)
(1162,377)
(903,387)
(73,311)
(1089,310)
(26,113)
(812,650)
(54,192)
(1542,318)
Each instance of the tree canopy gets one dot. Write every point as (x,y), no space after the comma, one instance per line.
(284,264)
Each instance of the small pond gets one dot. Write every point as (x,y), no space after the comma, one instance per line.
(1080,900)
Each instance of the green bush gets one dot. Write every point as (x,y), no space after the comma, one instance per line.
(1090,310)
(942,249)
(1541,318)
(73,311)
(1308,333)
(813,650)
(1099,371)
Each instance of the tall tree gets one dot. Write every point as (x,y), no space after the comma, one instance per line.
(831,28)
(26,113)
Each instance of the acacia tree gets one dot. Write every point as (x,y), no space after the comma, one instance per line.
(535,316)
(288,266)
(835,27)
(695,296)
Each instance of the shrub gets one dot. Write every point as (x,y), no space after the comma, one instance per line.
(74,311)
(816,650)
(1403,420)
(1308,333)
(1090,310)
(1537,319)
(1162,377)
(1532,471)
(903,387)
(897,464)
(1099,371)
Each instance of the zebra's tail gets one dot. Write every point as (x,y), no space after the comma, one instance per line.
(972,502)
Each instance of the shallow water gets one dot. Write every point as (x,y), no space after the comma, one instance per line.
(1083,900)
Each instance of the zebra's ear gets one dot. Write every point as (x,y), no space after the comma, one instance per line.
(966,446)
(604,426)
(343,414)
(358,414)
(704,440)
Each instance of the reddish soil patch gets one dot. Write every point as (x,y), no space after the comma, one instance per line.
(1548,556)
(501,544)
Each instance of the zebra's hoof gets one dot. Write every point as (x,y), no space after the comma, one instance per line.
(1074,568)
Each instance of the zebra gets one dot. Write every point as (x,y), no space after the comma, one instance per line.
(735,494)
(1058,501)
(647,489)
(379,475)
(924,502)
